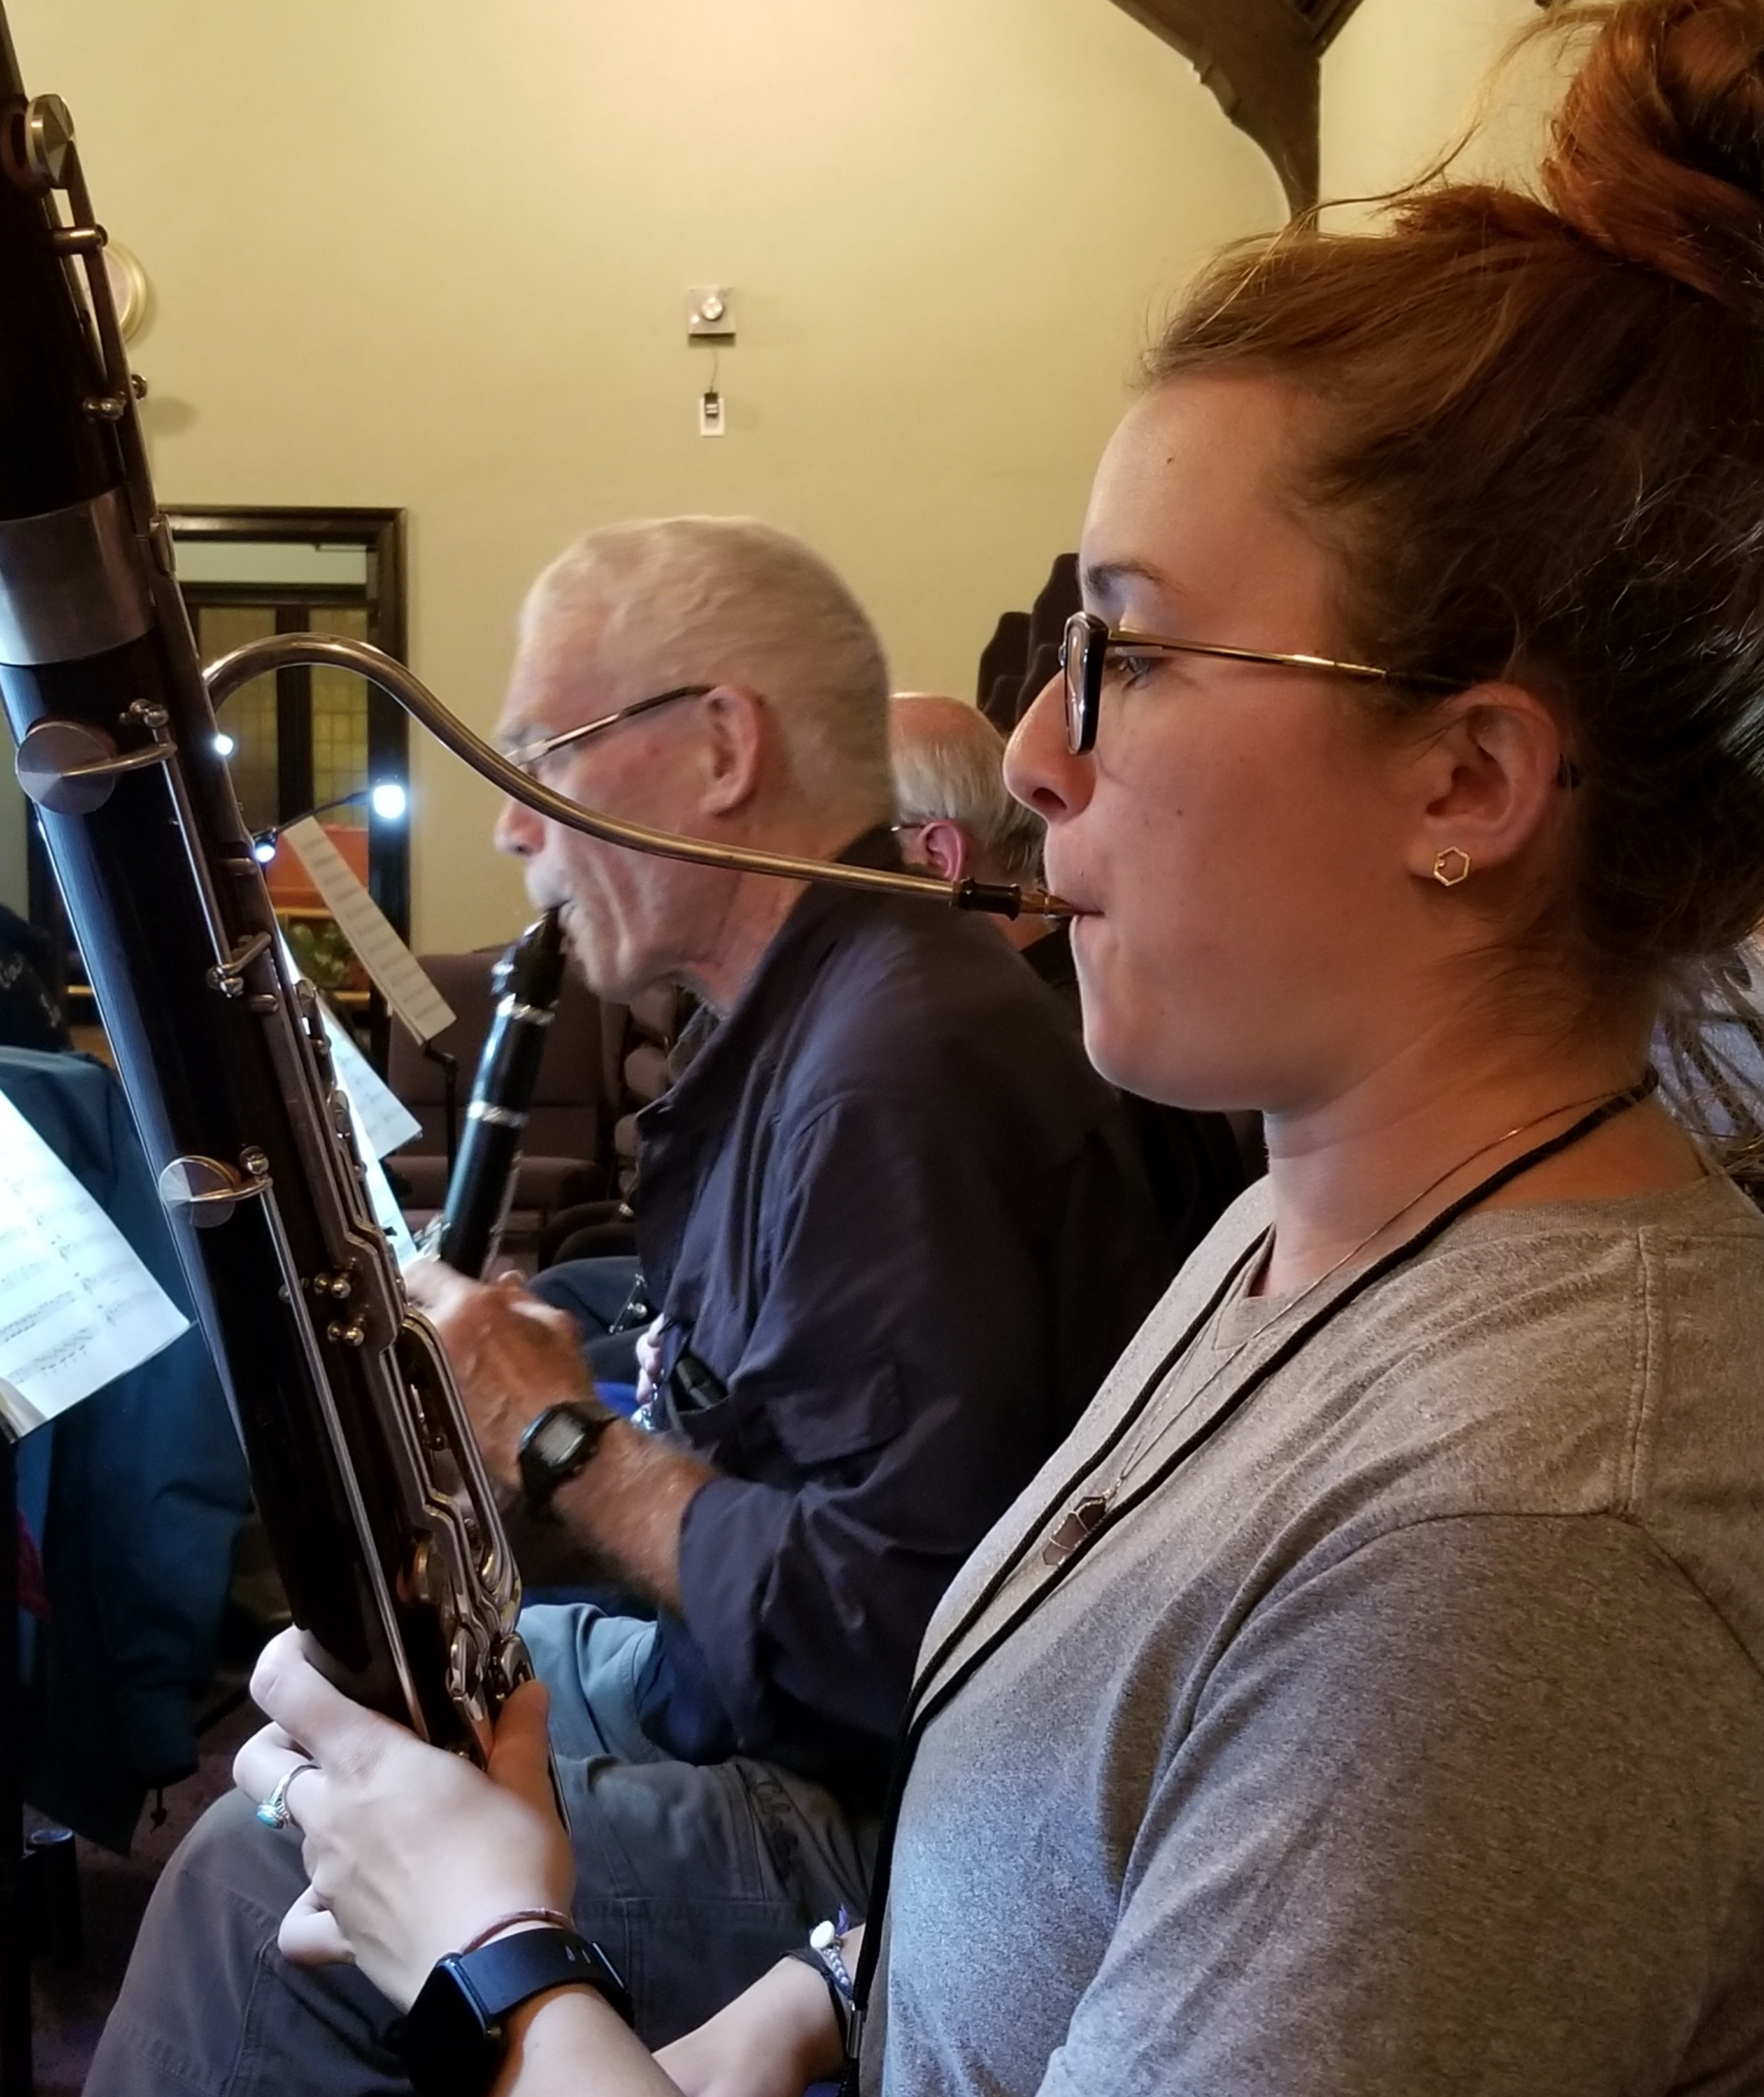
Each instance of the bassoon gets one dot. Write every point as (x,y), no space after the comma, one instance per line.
(370,1488)
(369,1483)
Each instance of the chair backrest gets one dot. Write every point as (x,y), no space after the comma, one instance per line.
(1003,663)
(1023,653)
(570,1110)
(570,1101)
(651,1026)
(418,1081)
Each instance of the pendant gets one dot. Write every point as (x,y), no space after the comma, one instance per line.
(1086,1517)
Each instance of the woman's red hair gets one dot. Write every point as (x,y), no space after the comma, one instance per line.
(1536,434)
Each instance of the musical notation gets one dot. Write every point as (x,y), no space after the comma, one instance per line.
(382,1119)
(78,1308)
(391,965)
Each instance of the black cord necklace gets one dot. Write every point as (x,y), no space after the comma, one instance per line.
(1092,1519)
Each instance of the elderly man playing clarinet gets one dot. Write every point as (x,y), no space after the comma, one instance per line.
(897,1230)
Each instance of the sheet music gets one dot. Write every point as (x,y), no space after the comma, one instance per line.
(78,1308)
(382,1119)
(390,963)
(384,1204)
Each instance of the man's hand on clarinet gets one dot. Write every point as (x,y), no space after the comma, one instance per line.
(511,1354)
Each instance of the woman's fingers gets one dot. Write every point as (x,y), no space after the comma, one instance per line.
(343,1737)
(263,1760)
(410,1851)
(310,1935)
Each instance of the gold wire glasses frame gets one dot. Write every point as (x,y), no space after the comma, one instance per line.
(1089,643)
(530,755)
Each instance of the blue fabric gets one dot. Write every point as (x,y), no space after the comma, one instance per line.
(898,1232)
(596,1293)
(136,1495)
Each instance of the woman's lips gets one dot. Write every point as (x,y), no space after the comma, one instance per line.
(1073,897)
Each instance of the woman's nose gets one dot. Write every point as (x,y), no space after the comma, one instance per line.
(1039,768)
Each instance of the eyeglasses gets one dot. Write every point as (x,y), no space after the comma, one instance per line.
(530,755)
(1087,644)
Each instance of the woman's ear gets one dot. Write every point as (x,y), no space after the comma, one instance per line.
(1492,774)
(733,748)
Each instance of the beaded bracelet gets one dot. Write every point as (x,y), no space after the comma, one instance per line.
(822,1952)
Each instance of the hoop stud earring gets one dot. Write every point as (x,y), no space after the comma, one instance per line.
(1451,866)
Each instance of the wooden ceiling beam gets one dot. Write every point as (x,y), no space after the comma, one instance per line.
(1263,59)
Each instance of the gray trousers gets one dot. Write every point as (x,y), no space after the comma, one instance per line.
(691,1880)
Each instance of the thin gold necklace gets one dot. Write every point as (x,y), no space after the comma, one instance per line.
(1089,1513)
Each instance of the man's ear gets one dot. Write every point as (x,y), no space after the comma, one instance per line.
(1492,772)
(945,847)
(737,733)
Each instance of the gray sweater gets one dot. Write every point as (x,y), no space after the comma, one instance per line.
(1411,1739)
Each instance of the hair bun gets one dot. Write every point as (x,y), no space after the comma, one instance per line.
(1657,152)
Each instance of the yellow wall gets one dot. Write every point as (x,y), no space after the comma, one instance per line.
(434,253)
(1401,82)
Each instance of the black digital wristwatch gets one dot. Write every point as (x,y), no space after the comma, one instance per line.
(455,2034)
(556,1447)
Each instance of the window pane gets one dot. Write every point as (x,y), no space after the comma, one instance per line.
(249,715)
(339,721)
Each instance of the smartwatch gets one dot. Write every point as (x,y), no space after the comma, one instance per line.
(556,1447)
(453,2040)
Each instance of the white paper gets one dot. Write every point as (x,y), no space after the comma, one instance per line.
(379,1118)
(389,962)
(382,1119)
(78,1308)
(387,1212)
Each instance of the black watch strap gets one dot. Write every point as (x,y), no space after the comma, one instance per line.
(453,2039)
(556,1446)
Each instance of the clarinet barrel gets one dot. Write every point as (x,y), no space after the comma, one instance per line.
(361,1459)
(528,981)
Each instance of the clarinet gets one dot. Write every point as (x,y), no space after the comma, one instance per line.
(526,982)
(368,1482)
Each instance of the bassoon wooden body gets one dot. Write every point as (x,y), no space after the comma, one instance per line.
(363,1468)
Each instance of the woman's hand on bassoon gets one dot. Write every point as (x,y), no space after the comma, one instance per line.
(410,1851)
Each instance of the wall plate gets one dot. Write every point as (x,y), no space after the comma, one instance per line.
(710,314)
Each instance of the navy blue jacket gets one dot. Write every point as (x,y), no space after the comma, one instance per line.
(898,1231)
(137,1494)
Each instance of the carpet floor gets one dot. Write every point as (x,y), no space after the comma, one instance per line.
(70,1999)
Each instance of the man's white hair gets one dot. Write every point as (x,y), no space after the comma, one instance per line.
(948,762)
(729,600)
